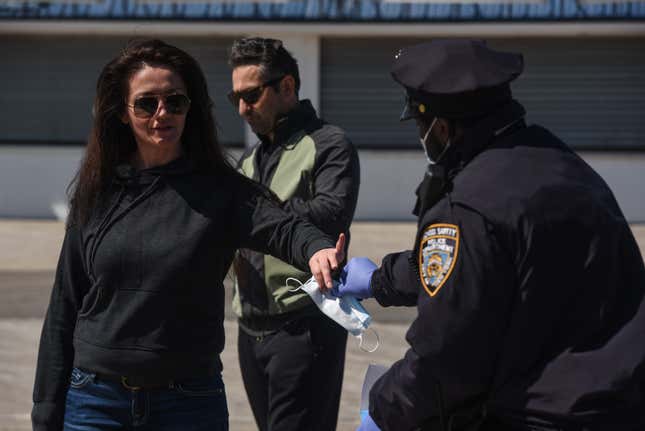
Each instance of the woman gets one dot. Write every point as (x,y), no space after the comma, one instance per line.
(134,328)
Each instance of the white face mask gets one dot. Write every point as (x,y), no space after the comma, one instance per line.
(423,141)
(346,311)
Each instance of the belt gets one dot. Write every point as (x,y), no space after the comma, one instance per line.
(137,383)
(256,325)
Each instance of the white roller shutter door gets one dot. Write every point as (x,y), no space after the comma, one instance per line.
(47,85)
(590,92)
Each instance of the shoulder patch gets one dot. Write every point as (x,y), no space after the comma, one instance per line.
(437,255)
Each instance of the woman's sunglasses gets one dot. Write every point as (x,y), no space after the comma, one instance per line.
(252,95)
(147,106)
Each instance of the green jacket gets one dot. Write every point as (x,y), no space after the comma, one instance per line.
(313,168)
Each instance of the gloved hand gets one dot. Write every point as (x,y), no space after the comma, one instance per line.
(367,424)
(355,278)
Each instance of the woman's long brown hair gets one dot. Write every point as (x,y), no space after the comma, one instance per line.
(112,143)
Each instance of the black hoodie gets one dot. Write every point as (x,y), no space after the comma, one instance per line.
(139,288)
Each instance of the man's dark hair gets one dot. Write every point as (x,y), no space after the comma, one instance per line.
(269,54)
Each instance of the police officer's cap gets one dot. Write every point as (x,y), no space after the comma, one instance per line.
(455,78)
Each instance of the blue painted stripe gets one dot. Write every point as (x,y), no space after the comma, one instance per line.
(328,11)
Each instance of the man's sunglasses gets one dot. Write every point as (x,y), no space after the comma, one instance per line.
(252,95)
(147,106)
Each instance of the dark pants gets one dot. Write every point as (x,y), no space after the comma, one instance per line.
(293,377)
(93,404)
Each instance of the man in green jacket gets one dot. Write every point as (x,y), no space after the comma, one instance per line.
(291,355)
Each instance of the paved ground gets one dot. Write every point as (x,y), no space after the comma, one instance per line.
(28,254)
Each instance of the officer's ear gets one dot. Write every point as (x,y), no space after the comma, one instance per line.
(444,129)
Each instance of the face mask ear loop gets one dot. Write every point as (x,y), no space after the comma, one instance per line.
(445,148)
(360,341)
(423,142)
(297,288)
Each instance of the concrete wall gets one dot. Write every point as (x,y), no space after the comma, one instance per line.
(33,181)
(389,179)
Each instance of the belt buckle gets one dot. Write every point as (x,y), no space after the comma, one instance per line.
(124,382)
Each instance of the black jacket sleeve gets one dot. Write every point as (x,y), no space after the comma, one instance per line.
(56,353)
(396,281)
(264,226)
(336,179)
(457,335)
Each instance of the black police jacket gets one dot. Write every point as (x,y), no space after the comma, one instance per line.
(529,287)
(139,288)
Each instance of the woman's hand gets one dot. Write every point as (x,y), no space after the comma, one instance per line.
(325,261)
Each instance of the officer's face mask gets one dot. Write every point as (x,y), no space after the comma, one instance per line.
(433,150)
(346,311)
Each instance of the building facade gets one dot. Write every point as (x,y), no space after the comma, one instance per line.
(584,79)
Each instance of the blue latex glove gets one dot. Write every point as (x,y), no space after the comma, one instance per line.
(367,424)
(355,278)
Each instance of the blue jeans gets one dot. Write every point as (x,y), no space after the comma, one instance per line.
(99,405)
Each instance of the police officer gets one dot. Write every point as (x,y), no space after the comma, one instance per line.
(528,281)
